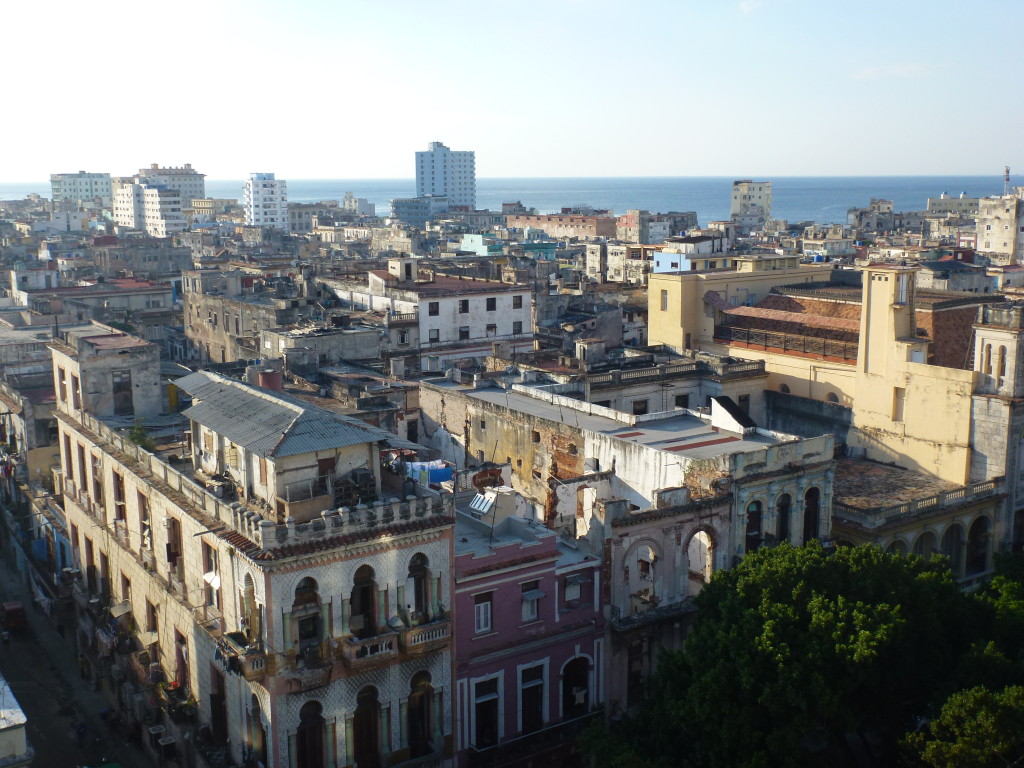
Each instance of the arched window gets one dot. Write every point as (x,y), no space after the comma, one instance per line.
(926,545)
(783,508)
(952,547)
(307,618)
(896,547)
(311,737)
(700,554)
(252,624)
(363,604)
(366,729)
(420,715)
(988,359)
(753,526)
(1001,368)
(832,397)
(257,732)
(784,389)
(812,500)
(417,591)
(575,688)
(977,547)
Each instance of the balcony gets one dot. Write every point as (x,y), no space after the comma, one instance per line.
(370,652)
(243,657)
(145,668)
(548,746)
(425,638)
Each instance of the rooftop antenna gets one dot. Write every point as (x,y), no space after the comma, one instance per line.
(1006,180)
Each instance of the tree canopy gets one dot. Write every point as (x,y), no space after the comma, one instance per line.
(799,650)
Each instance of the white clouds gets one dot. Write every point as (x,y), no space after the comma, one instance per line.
(891,71)
(749,6)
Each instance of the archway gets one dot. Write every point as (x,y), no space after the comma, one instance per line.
(258,732)
(812,513)
(700,552)
(753,538)
(952,547)
(783,510)
(420,715)
(363,621)
(366,729)
(926,545)
(311,737)
(575,688)
(896,547)
(977,547)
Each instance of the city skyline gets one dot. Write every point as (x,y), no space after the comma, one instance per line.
(754,88)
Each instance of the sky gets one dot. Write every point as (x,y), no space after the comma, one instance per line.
(344,89)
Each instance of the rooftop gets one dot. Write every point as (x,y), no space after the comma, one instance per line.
(677,432)
(869,485)
(272,423)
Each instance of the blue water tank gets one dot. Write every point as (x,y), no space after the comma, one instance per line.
(818,258)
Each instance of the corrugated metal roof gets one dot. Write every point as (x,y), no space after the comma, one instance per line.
(272,423)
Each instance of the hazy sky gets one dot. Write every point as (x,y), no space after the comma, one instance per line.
(339,89)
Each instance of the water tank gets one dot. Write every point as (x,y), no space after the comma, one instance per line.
(270,379)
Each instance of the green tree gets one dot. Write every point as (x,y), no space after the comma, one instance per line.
(977,728)
(796,647)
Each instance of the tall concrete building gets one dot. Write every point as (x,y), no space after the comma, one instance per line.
(74,187)
(186,180)
(266,201)
(751,204)
(443,173)
(1000,223)
(155,208)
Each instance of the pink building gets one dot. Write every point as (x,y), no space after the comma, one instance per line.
(529,636)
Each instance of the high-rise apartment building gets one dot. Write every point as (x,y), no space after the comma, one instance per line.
(1000,227)
(443,173)
(186,180)
(155,208)
(266,201)
(751,204)
(74,187)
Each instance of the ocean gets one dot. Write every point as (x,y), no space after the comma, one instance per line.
(795,198)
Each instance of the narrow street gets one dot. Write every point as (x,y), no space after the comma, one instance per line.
(64,712)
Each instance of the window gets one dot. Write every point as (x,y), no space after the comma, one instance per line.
(535,436)
(832,397)
(483,424)
(639,407)
(572,590)
(517,301)
(517,327)
(486,713)
(492,304)
(664,301)
(403,337)
(492,329)
(743,401)
(75,396)
(463,332)
(531,696)
(784,389)
(434,335)
(211,576)
(531,601)
(682,401)
(899,400)
(433,309)
(463,306)
(62,383)
(482,612)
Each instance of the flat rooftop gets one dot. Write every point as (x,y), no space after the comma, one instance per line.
(681,434)
(869,485)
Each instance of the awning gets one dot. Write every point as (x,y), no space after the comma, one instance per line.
(577,578)
(213,579)
(119,610)
(146,639)
(533,594)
